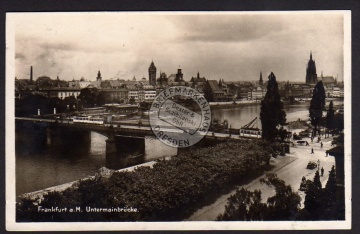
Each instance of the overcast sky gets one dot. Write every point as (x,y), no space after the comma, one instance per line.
(233,46)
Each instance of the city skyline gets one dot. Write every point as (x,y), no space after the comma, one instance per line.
(231,46)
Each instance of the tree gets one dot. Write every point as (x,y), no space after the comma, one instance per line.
(132,100)
(57,103)
(102,98)
(246,205)
(33,102)
(88,96)
(338,122)
(272,110)
(330,117)
(314,198)
(330,196)
(317,106)
(285,203)
(71,103)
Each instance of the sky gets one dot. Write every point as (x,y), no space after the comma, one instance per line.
(233,46)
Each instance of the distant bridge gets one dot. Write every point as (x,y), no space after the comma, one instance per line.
(122,129)
(122,139)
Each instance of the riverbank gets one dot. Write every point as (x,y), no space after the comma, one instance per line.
(36,195)
(230,105)
(169,191)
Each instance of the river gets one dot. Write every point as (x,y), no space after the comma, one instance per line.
(42,165)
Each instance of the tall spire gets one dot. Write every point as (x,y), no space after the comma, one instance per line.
(98,78)
(310,55)
(261,79)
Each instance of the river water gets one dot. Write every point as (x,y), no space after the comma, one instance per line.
(42,165)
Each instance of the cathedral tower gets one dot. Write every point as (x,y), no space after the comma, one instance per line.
(311,76)
(152,74)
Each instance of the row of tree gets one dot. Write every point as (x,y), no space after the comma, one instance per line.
(320,203)
(32,103)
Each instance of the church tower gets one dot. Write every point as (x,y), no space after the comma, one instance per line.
(261,82)
(152,74)
(311,76)
(98,78)
(179,76)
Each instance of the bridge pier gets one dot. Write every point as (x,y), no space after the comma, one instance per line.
(124,151)
(111,145)
(48,136)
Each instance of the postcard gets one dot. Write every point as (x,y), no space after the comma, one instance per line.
(178,120)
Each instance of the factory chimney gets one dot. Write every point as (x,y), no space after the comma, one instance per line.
(31,74)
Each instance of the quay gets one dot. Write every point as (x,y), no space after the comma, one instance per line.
(39,195)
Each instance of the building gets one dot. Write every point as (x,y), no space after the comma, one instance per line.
(296,90)
(198,83)
(327,80)
(162,80)
(133,92)
(118,95)
(197,79)
(212,91)
(179,77)
(147,93)
(152,74)
(257,93)
(63,92)
(311,76)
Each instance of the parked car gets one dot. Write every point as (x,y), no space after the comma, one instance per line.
(311,165)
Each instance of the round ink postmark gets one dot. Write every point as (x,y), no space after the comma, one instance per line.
(180,116)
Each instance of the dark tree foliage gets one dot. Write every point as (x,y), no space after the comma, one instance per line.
(321,203)
(314,198)
(171,190)
(282,133)
(330,116)
(30,104)
(317,106)
(272,110)
(244,205)
(339,122)
(330,196)
(88,96)
(71,103)
(57,103)
(285,203)
(102,98)
(247,206)
(132,100)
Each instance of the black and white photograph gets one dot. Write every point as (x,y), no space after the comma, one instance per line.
(178,120)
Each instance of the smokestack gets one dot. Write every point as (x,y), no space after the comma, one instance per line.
(31,75)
